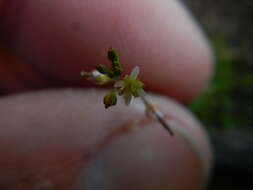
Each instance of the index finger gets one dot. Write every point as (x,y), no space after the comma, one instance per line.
(59,38)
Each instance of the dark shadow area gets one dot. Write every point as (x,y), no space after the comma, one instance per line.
(226,108)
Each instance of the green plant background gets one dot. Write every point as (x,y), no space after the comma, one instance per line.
(227,103)
(226,107)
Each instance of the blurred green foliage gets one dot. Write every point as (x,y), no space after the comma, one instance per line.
(227,103)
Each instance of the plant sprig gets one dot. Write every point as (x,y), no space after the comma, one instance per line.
(128,86)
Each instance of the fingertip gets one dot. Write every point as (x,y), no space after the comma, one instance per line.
(60,38)
(66,138)
(180,59)
(146,156)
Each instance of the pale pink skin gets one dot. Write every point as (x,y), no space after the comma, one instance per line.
(61,37)
(64,139)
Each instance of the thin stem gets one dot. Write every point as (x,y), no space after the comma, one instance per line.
(156,112)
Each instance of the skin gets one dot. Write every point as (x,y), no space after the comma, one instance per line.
(65,139)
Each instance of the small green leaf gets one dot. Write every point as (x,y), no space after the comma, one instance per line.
(110,99)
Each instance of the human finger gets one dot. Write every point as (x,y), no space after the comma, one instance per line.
(59,38)
(67,140)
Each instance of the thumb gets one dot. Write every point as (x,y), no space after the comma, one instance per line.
(66,140)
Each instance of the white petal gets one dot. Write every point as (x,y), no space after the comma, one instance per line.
(135,72)
(118,84)
(127,98)
(95,73)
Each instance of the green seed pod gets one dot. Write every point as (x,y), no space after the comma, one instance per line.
(113,56)
(117,71)
(110,99)
(103,69)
